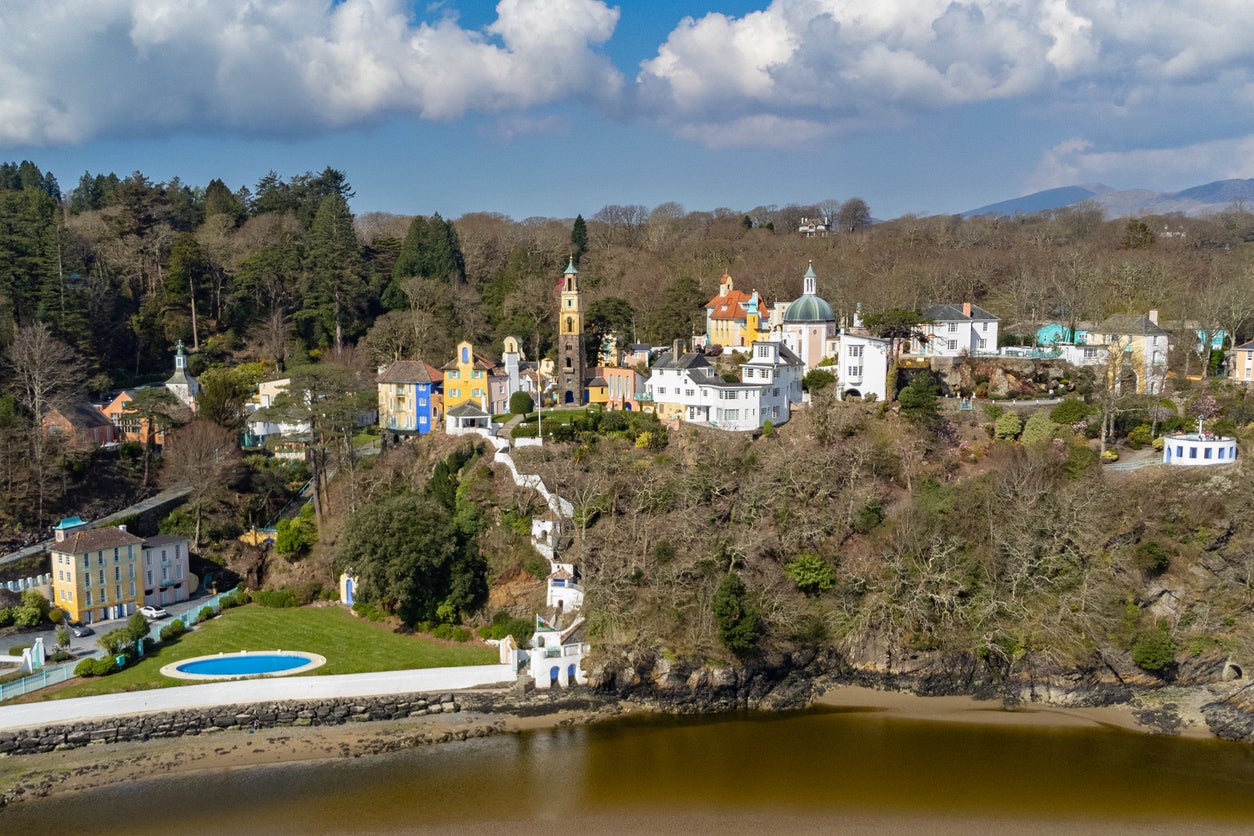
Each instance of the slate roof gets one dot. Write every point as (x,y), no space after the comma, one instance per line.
(95,539)
(83,416)
(685,361)
(410,371)
(466,410)
(1134,325)
(953,313)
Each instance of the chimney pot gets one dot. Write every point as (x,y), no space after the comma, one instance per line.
(966,308)
(1153,315)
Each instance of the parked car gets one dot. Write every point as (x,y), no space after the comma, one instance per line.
(153,612)
(79,630)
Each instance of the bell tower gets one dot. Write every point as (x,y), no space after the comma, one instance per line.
(570,353)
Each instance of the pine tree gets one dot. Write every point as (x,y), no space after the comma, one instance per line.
(579,238)
(334,294)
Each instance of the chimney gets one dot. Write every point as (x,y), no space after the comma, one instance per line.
(1153,315)
(677,349)
(966,309)
(122,529)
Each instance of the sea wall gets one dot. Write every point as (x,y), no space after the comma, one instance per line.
(518,702)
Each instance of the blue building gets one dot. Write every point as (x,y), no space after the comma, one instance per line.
(410,397)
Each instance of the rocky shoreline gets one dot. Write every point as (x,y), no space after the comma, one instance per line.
(94,753)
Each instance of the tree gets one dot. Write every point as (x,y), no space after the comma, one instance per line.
(611,316)
(1154,650)
(203,458)
(223,393)
(158,410)
(46,374)
(520,403)
(186,275)
(578,239)
(432,250)
(63,636)
(409,559)
(817,380)
(333,292)
(854,215)
(919,403)
(739,622)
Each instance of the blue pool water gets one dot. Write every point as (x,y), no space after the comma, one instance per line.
(244,664)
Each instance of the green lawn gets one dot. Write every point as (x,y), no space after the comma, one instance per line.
(556,416)
(351,645)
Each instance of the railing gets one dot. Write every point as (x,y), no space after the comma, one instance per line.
(55,675)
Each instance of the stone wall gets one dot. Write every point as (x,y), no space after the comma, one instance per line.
(221,718)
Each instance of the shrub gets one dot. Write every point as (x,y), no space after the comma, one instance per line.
(1008,427)
(96,667)
(1154,650)
(1152,558)
(369,611)
(869,517)
(1038,429)
(1070,411)
(17,649)
(503,624)
(1109,456)
(26,617)
(1158,443)
(173,630)
(1139,437)
(205,614)
(277,598)
(443,631)
(238,598)
(811,573)
(461,634)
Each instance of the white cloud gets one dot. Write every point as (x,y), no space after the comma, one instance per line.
(1166,168)
(850,62)
(73,70)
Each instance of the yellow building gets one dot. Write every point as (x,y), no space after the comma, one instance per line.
(1136,349)
(733,318)
(96,573)
(474,378)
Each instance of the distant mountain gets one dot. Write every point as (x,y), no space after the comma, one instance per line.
(1040,201)
(1198,200)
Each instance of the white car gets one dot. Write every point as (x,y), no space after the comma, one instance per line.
(153,612)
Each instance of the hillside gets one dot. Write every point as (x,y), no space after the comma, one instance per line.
(1196,201)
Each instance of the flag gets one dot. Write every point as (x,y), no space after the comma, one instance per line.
(541,624)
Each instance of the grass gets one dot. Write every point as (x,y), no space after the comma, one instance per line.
(556,416)
(350,644)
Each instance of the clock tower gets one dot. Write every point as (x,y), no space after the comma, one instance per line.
(570,350)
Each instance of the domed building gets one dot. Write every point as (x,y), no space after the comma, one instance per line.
(809,326)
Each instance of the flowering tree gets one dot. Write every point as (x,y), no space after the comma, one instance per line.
(1203,407)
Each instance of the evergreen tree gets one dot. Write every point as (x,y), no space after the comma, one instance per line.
(579,238)
(333,295)
(431,250)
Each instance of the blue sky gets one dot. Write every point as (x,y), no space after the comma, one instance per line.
(558,107)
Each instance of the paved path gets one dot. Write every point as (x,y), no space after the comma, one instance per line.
(252,691)
(138,508)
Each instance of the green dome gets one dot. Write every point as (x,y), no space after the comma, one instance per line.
(809,308)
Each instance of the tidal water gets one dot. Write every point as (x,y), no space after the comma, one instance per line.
(826,770)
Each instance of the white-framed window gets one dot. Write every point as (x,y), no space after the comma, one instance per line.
(1090,352)
(764,351)
(854,371)
(981,343)
(953,327)
(855,351)
(952,344)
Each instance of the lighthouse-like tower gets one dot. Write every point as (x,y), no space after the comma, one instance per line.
(570,353)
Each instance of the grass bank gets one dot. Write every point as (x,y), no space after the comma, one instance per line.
(350,645)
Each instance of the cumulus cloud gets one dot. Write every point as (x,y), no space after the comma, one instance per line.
(73,70)
(849,63)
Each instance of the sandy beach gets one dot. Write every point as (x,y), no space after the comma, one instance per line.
(40,775)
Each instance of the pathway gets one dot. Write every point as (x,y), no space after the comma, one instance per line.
(248,691)
(137,508)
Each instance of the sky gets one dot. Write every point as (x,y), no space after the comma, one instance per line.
(560,107)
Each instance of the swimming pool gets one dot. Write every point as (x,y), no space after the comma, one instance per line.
(244,663)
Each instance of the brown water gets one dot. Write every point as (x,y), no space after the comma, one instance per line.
(816,771)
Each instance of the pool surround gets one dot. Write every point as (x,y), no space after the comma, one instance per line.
(173,670)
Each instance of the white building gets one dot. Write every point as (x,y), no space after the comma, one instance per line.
(863,367)
(955,330)
(686,387)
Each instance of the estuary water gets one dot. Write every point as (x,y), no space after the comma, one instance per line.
(823,770)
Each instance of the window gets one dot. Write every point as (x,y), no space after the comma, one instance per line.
(117,573)
(1192,452)
(1207,453)
(451,373)
(478,375)
(102,577)
(457,393)
(952,344)
(1090,353)
(88,599)
(132,589)
(855,351)
(688,393)
(764,351)
(115,556)
(150,577)
(984,326)
(981,344)
(953,327)
(854,371)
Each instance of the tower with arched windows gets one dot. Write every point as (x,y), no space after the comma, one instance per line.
(570,351)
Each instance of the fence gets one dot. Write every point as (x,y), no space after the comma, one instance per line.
(55,675)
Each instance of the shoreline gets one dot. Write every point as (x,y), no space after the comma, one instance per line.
(39,776)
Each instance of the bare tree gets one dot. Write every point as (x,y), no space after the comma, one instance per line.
(202,457)
(46,374)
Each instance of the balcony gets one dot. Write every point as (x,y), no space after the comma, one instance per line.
(642,397)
